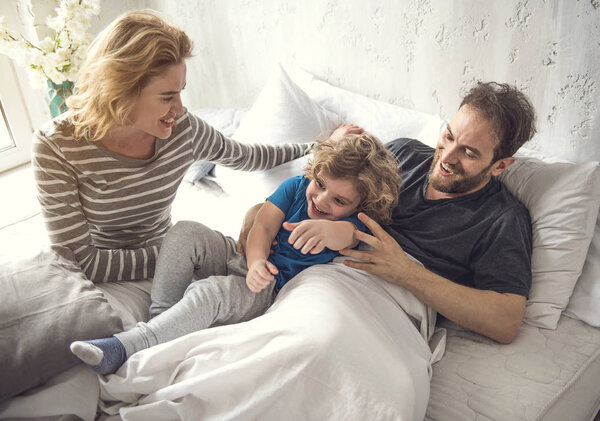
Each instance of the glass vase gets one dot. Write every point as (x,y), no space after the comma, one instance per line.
(56,97)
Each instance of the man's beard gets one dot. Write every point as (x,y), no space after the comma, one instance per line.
(460,183)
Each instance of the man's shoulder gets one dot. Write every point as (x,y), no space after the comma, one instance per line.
(405,149)
(508,206)
(413,157)
(406,144)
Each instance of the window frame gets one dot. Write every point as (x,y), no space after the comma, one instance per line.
(17,117)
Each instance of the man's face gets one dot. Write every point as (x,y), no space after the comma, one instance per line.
(462,163)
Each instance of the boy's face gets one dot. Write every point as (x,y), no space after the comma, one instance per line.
(331,198)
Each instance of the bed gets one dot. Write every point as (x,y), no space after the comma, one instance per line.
(333,346)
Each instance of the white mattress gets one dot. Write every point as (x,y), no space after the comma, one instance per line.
(543,375)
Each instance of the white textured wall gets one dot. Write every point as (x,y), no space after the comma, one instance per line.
(416,53)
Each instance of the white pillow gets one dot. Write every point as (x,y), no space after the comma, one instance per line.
(282,113)
(563,200)
(385,121)
(585,300)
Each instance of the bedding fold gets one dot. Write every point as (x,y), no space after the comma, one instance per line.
(336,344)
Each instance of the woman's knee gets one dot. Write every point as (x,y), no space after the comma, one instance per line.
(191,232)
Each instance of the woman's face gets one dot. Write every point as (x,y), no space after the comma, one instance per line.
(159,102)
(331,198)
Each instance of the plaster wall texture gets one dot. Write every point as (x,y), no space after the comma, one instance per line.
(421,54)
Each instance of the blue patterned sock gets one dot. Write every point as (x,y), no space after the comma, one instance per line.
(105,355)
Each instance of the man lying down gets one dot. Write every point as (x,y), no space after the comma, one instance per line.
(348,340)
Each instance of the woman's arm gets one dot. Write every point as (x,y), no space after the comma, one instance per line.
(266,225)
(313,235)
(210,145)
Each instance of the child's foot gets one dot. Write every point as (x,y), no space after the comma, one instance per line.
(105,355)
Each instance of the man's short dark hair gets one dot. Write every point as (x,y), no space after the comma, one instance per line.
(509,112)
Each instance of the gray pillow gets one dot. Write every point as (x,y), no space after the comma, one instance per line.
(46,303)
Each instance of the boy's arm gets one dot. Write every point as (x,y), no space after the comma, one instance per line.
(249,218)
(313,235)
(266,225)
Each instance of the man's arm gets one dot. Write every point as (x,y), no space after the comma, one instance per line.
(492,314)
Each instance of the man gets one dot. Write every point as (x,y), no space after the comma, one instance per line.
(472,236)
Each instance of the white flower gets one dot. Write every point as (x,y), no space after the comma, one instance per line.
(57,59)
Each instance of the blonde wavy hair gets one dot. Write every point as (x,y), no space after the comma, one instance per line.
(371,167)
(122,59)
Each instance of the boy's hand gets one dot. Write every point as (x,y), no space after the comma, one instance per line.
(309,235)
(260,274)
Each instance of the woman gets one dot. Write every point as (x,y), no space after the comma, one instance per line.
(108,170)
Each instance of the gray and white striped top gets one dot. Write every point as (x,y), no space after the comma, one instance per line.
(113,211)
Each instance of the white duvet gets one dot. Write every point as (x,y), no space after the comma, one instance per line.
(336,344)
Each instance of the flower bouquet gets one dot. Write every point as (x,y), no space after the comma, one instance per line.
(53,62)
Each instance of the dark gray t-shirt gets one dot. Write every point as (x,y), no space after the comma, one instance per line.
(481,240)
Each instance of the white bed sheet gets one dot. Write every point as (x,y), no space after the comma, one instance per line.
(337,344)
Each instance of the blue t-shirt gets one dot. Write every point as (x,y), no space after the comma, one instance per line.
(290,197)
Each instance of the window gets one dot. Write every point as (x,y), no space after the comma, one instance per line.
(15,125)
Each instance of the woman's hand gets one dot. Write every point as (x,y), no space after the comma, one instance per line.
(345,129)
(260,274)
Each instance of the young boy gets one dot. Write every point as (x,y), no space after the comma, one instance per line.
(310,217)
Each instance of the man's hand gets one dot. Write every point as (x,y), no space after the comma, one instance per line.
(345,129)
(492,314)
(260,274)
(387,259)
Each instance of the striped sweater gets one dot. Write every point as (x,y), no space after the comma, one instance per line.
(113,211)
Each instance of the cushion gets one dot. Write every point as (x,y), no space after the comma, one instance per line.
(47,303)
(563,200)
(585,300)
(386,121)
(282,113)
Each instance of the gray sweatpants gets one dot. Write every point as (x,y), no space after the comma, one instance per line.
(180,304)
